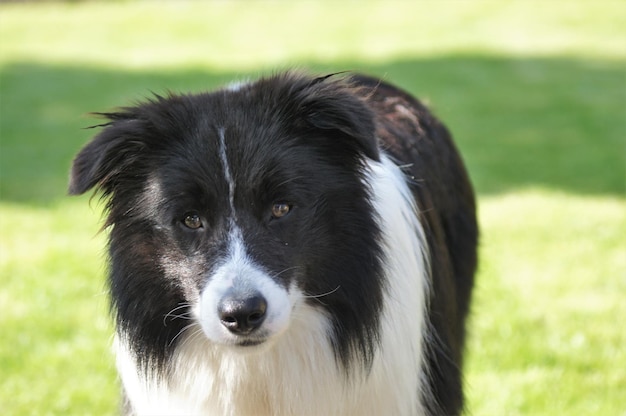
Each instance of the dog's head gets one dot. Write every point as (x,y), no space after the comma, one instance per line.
(229,209)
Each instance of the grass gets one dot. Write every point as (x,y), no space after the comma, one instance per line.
(535,100)
(544,336)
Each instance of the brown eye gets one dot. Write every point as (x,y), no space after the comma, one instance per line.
(280,209)
(193,221)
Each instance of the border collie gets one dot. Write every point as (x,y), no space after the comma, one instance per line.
(297,245)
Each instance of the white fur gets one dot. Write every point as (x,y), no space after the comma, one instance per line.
(237,86)
(297,373)
(240,272)
(227,175)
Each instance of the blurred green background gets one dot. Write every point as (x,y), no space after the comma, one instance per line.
(533,91)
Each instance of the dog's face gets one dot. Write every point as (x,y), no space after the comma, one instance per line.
(230,209)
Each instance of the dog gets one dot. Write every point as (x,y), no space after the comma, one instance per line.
(296,245)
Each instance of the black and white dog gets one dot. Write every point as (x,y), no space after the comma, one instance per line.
(290,246)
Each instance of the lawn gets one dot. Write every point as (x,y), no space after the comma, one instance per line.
(534,92)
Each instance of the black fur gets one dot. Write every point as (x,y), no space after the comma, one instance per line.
(309,125)
(158,161)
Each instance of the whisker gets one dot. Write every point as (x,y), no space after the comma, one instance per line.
(295,178)
(181,331)
(323,294)
(194,335)
(186,315)
(286,270)
(317,297)
(171,313)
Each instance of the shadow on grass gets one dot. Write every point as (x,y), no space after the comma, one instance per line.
(533,122)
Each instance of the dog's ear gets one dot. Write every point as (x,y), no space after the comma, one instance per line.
(110,152)
(333,105)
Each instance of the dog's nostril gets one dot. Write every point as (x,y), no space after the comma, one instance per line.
(255,317)
(242,314)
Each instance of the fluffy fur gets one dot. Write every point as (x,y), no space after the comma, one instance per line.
(290,246)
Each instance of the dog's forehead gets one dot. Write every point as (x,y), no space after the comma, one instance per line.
(214,161)
(235,139)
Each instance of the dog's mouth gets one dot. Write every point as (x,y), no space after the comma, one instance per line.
(250,342)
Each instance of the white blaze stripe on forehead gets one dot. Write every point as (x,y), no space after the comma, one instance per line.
(227,175)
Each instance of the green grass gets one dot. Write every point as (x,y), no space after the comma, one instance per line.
(534,93)
(546,337)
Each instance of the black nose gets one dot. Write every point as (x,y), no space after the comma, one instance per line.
(242,314)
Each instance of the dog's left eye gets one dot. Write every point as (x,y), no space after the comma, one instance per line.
(192,221)
(280,209)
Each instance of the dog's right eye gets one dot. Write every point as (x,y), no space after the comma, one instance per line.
(192,221)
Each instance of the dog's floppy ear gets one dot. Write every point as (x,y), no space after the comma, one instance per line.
(333,105)
(110,152)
